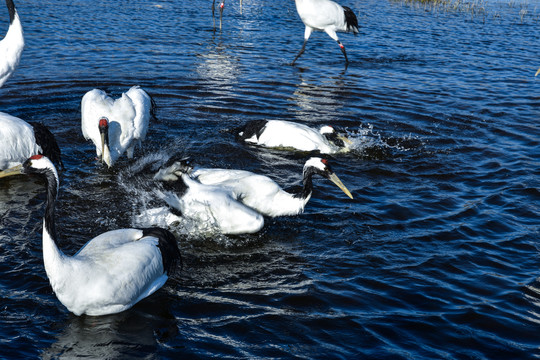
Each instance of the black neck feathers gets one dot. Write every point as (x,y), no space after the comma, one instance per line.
(307,188)
(52,193)
(11,9)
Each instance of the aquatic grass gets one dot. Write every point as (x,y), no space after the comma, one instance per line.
(481,9)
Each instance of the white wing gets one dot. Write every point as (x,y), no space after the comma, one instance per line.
(321,14)
(112,272)
(216,207)
(257,192)
(121,126)
(287,134)
(219,176)
(143,105)
(17,141)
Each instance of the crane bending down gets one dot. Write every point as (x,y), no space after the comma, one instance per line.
(261,193)
(283,134)
(327,16)
(113,271)
(211,206)
(116,126)
(12,45)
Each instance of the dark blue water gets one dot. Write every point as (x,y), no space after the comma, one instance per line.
(436,257)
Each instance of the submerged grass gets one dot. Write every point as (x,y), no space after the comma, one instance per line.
(521,12)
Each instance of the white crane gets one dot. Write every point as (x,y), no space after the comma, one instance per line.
(19,140)
(263,194)
(290,135)
(327,16)
(12,45)
(213,206)
(113,271)
(115,126)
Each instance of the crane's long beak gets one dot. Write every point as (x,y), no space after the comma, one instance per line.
(102,145)
(334,178)
(537,72)
(345,139)
(16,170)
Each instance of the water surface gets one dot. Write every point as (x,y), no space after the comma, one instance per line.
(437,255)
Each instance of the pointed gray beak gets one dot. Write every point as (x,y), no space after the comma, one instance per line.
(334,178)
(102,145)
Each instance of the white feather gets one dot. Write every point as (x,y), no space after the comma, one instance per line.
(109,274)
(321,14)
(17,141)
(286,134)
(11,48)
(258,192)
(216,206)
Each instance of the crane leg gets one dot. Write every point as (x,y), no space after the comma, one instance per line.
(213,18)
(301,52)
(342,47)
(307,34)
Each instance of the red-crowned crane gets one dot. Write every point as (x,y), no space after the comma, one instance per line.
(115,126)
(281,134)
(327,16)
(114,270)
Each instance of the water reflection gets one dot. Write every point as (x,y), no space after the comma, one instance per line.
(316,100)
(123,335)
(217,67)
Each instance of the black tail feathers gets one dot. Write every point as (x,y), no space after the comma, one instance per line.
(351,20)
(168,247)
(253,127)
(49,147)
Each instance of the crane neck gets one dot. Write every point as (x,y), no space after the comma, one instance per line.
(50,248)
(11,9)
(307,188)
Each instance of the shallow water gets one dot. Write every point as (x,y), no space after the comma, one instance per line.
(437,255)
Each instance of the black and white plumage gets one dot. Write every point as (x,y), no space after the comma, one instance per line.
(214,207)
(263,194)
(327,16)
(113,271)
(290,135)
(19,140)
(12,45)
(116,126)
